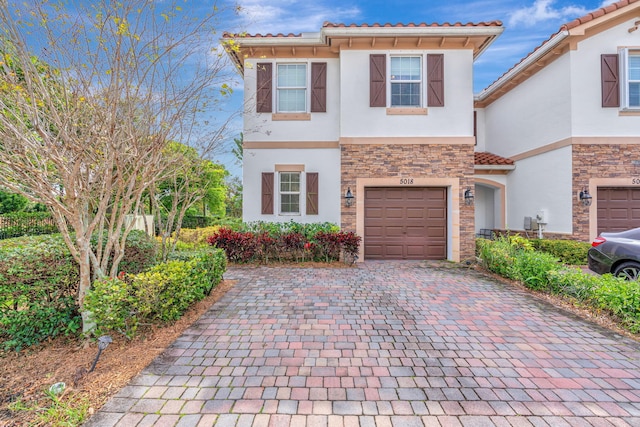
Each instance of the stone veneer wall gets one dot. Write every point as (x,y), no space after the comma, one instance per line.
(415,161)
(599,161)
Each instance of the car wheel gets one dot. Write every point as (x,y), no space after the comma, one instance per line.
(628,271)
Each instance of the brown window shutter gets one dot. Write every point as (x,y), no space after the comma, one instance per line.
(610,80)
(312,193)
(267,193)
(318,87)
(435,80)
(377,80)
(264,87)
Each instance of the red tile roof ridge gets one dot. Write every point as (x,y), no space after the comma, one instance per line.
(486,158)
(570,25)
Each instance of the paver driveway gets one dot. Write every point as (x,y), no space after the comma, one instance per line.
(384,344)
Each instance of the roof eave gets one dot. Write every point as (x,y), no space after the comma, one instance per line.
(495,167)
(544,49)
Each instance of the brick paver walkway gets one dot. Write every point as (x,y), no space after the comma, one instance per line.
(384,344)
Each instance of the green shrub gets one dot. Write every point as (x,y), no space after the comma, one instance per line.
(165,291)
(569,252)
(573,282)
(139,253)
(622,298)
(197,237)
(513,258)
(533,268)
(541,271)
(211,261)
(111,303)
(39,286)
(498,256)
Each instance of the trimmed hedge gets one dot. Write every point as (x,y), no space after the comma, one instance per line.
(161,294)
(39,285)
(571,252)
(542,271)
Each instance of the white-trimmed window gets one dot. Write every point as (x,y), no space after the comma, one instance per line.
(630,79)
(290,193)
(292,88)
(406,81)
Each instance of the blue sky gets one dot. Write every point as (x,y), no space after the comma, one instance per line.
(527,23)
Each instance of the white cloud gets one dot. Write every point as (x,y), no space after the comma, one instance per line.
(542,11)
(291,16)
(607,2)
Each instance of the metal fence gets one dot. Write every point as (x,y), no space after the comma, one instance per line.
(26,224)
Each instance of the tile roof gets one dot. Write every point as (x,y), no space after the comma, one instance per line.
(596,14)
(573,24)
(413,25)
(485,158)
(374,25)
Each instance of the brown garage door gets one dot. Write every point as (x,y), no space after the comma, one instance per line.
(618,209)
(405,223)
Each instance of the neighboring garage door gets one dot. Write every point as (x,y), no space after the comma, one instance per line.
(405,223)
(618,209)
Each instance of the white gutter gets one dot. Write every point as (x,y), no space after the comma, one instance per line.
(528,61)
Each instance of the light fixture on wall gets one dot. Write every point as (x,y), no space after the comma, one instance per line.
(585,197)
(468,197)
(348,198)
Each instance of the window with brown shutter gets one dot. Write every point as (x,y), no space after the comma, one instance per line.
(435,80)
(267,193)
(264,87)
(312,193)
(610,80)
(377,80)
(318,87)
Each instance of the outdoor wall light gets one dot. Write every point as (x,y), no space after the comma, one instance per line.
(585,197)
(468,197)
(348,198)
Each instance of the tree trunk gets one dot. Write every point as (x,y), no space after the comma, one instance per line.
(85,284)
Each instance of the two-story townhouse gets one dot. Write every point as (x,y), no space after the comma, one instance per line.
(370,127)
(567,118)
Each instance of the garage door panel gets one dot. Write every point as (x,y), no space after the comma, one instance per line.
(394,213)
(415,213)
(618,209)
(405,223)
(393,250)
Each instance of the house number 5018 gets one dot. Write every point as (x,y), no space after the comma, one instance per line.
(405,181)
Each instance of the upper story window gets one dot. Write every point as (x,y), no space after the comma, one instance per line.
(631,79)
(409,81)
(620,80)
(296,89)
(292,88)
(406,81)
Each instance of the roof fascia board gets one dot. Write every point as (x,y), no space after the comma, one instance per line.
(526,63)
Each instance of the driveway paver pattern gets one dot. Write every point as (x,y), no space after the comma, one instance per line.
(397,344)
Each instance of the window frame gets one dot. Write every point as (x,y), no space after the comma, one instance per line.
(421,81)
(281,193)
(625,80)
(305,88)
